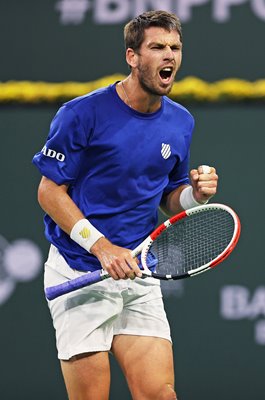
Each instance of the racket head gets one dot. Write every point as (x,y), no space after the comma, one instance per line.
(192,241)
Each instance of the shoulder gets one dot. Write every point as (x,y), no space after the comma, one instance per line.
(89,100)
(83,110)
(174,106)
(182,114)
(179,111)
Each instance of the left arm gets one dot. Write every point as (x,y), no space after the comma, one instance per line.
(204,186)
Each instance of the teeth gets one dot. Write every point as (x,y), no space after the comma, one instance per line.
(166,73)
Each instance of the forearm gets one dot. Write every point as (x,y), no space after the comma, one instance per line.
(56,202)
(170,203)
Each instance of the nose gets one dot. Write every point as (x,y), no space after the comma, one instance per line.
(169,54)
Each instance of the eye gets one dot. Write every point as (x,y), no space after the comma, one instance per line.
(176,48)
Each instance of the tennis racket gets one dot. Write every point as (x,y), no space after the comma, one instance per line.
(185,245)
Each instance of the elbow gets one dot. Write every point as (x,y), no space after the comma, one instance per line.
(46,192)
(41,195)
(50,194)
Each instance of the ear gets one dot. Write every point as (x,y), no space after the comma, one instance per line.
(131,58)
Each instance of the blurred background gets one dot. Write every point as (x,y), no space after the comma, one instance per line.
(53,50)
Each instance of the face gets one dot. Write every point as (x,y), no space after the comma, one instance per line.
(158,60)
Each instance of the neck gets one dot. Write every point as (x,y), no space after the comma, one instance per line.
(131,92)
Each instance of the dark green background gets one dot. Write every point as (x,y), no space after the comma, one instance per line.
(214,358)
(35,46)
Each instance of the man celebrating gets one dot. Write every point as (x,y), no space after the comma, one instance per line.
(124,152)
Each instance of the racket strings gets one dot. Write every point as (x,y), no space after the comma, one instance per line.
(193,242)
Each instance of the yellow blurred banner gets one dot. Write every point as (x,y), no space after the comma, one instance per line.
(190,89)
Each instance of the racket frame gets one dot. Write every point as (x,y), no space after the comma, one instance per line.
(146,245)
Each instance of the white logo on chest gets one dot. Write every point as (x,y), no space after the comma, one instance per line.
(165,150)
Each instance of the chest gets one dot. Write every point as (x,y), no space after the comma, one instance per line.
(137,147)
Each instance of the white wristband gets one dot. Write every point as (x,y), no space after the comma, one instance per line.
(187,199)
(85,234)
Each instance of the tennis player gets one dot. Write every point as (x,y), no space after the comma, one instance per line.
(111,159)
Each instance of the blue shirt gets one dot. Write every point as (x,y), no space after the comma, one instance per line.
(118,163)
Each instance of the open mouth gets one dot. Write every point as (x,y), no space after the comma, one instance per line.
(166,73)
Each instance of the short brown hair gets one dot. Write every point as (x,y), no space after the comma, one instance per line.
(134,30)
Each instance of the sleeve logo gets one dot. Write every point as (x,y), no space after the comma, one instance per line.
(53,154)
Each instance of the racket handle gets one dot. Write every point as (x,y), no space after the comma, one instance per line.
(88,279)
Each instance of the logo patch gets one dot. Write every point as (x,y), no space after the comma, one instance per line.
(165,150)
(85,233)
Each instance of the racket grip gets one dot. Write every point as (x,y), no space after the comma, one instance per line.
(88,279)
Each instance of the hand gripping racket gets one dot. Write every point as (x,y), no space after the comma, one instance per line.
(185,245)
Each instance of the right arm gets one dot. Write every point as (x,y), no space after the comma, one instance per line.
(56,202)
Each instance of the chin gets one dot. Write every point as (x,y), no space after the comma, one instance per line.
(165,87)
(161,89)
(165,90)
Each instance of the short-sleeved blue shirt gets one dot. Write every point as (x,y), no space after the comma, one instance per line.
(118,163)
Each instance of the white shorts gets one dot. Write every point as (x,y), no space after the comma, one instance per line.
(86,320)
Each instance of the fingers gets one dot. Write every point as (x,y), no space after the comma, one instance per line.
(123,266)
(117,261)
(206,170)
(202,175)
(204,181)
